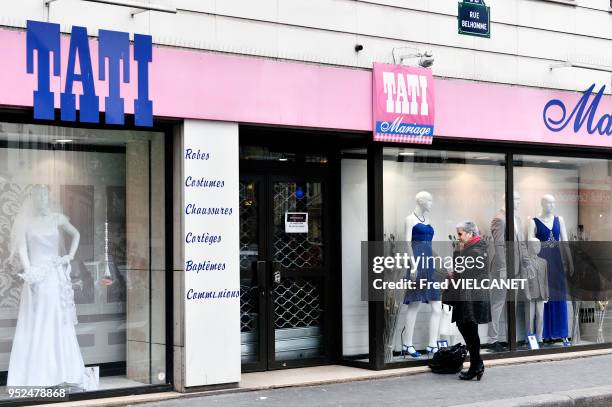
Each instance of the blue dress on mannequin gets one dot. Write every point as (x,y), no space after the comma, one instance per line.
(422,235)
(555,310)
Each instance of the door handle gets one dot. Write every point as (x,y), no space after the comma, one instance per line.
(261,277)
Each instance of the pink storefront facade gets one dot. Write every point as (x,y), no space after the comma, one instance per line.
(235,243)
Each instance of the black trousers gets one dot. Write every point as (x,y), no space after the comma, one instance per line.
(469,330)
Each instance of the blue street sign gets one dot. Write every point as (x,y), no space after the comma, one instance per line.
(474,18)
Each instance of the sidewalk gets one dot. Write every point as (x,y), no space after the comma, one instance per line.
(578,379)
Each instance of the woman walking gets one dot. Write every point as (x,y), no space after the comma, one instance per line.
(472,305)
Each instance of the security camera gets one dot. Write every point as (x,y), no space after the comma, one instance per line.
(426,59)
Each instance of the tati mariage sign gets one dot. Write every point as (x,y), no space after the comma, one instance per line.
(403,104)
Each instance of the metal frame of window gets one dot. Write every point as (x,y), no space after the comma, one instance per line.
(25,116)
(375,232)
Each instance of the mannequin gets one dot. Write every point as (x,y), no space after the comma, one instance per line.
(45,350)
(535,270)
(498,265)
(420,232)
(550,230)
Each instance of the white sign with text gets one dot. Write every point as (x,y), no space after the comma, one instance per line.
(211,247)
(296,222)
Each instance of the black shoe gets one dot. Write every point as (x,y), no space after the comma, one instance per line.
(470,374)
(498,347)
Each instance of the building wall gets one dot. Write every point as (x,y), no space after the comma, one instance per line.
(527,36)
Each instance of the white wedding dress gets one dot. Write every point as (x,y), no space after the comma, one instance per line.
(45,349)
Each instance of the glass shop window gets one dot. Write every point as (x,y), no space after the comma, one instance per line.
(426,195)
(565,212)
(82,258)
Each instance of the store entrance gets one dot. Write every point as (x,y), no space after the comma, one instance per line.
(285,278)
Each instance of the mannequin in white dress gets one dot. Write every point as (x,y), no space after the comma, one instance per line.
(45,350)
(418,221)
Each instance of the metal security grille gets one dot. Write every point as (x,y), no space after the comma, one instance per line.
(298,250)
(297,304)
(249,249)
(248,308)
(249,253)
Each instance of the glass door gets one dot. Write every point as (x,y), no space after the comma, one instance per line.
(298,270)
(253,287)
(284,271)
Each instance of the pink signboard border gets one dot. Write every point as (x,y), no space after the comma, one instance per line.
(213,86)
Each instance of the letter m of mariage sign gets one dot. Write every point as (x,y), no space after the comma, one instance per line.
(403,104)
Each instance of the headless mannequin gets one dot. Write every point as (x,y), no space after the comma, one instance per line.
(46,306)
(534,308)
(40,200)
(547,217)
(498,265)
(420,214)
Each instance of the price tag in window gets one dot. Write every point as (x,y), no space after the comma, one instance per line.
(296,222)
(533,342)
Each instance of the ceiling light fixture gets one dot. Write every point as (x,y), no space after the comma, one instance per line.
(573,64)
(425,58)
(140,6)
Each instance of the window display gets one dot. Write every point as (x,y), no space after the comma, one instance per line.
(535,270)
(82,258)
(550,229)
(420,233)
(568,208)
(45,350)
(426,193)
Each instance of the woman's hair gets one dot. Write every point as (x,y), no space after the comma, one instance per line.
(469,227)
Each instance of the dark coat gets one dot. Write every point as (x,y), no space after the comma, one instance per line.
(472,305)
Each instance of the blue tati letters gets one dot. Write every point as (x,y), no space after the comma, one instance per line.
(582,113)
(88,101)
(45,39)
(143,54)
(114,48)
(113,67)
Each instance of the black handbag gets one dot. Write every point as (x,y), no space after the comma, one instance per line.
(448,360)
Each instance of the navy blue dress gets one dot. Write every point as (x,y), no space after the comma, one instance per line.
(555,310)
(422,235)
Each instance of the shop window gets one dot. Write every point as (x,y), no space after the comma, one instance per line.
(82,258)
(426,194)
(565,212)
(354,190)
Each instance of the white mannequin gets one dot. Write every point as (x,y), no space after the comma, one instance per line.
(534,309)
(424,201)
(547,217)
(40,203)
(46,308)
(498,265)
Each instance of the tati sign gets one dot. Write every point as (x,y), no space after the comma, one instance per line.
(403,104)
(44,59)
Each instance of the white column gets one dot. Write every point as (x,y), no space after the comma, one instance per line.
(211,250)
